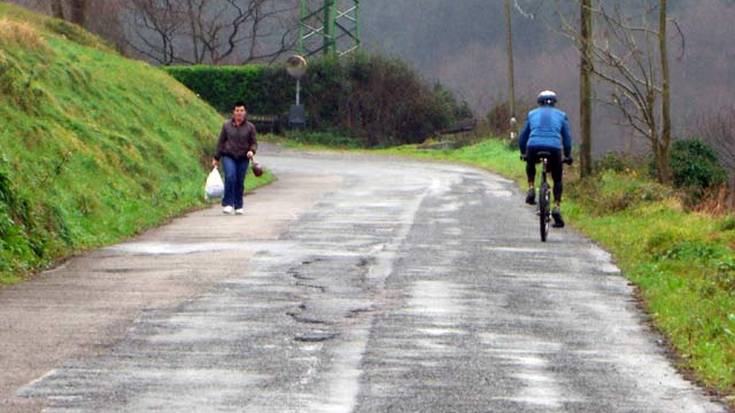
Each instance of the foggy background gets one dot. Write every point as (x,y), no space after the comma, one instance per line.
(461,43)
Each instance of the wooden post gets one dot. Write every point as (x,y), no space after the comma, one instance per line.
(511,76)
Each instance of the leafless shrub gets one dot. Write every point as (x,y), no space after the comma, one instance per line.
(718,131)
(208,31)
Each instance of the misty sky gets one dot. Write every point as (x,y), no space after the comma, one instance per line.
(462,44)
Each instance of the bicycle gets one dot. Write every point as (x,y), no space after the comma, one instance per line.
(544,205)
(544,209)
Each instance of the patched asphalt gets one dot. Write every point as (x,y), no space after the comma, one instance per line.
(399,287)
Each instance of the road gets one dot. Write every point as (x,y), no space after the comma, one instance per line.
(353,284)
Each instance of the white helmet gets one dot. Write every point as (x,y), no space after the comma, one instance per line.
(547,98)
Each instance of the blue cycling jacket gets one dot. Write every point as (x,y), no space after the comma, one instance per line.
(546,127)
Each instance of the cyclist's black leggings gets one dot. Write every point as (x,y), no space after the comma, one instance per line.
(555,166)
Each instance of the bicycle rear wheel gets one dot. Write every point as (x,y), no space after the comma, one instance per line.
(543,210)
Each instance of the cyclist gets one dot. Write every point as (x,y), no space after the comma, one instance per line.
(547,130)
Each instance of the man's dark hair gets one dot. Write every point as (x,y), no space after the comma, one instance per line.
(238,104)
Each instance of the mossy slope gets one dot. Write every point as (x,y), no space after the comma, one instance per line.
(93,147)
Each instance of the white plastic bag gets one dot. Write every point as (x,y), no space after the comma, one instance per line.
(214,188)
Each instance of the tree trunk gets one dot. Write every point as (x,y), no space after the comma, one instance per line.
(57,9)
(194,34)
(731,195)
(662,163)
(665,93)
(79,11)
(585,91)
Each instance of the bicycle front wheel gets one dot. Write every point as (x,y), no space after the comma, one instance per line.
(543,211)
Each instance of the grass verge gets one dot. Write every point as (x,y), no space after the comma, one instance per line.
(94,148)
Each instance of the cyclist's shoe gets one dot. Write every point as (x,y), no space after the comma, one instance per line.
(531,196)
(558,220)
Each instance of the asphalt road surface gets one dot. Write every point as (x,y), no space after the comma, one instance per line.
(353,284)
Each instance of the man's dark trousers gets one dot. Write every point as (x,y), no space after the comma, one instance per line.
(235,170)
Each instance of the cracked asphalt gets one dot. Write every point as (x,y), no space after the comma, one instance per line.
(353,284)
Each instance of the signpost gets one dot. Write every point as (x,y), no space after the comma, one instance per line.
(296,68)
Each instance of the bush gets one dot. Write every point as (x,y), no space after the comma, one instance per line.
(264,89)
(499,115)
(378,100)
(663,240)
(727,224)
(695,167)
(383,101)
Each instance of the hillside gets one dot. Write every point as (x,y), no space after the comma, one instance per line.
(93,147)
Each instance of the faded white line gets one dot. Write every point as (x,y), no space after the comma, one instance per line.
(22,391)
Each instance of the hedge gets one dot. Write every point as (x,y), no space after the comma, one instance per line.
(377,100)
(264,89)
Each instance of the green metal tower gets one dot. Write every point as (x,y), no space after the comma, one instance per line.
(331,27)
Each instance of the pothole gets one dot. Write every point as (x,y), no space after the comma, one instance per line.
(316,337)
(357,311)
(316,287)
(298,275)
(304,319)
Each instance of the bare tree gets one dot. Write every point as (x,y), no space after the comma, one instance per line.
(105,18)
(156,25)
(57,9)
(629,55)
(208,31)
(719,132)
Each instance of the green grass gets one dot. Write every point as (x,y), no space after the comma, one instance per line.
(682,262)
(94,147)
(685,268)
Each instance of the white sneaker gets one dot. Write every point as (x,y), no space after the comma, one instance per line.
(228,210)
(239,211)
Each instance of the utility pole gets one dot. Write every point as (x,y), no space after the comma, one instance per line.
(511,77)
(585,88)
(664,169)
(332,29)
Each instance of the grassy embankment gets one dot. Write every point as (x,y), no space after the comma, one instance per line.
(93,148)
(683,262)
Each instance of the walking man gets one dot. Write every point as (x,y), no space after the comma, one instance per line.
(236,147)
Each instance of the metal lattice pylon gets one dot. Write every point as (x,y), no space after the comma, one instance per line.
(331,27)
